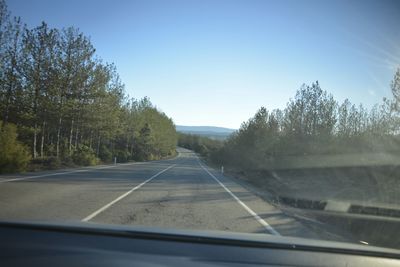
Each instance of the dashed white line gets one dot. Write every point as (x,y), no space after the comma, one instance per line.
(249,210)
(97,212)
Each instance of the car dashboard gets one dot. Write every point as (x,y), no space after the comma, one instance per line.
(33,244)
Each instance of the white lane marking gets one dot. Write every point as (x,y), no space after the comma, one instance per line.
(38,176)
(60,173)
(97,212)
(250,211)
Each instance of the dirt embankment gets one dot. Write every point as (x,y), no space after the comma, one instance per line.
(346,187)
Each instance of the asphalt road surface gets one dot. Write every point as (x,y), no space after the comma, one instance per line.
(176,193)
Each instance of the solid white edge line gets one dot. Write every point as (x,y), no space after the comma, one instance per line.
(249,210)
(97,212)
(59,173)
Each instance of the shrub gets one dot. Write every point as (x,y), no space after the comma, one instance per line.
(14,156)
(85,156)
(67,160)
(122,156)
(105,154)
(47,163)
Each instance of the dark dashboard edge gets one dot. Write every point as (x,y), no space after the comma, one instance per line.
(200,237)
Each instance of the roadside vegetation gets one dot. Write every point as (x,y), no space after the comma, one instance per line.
(61,105)
(311,129)
(205,146)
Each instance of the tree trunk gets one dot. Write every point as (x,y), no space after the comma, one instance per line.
(127,142)
(132,147)
(7,108)
(42,141)
(98,146)
(11,84)
(58,137)
(90,139)
(70,136)
(76,135)
(35,141)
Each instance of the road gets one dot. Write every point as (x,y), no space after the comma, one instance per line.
(176,193)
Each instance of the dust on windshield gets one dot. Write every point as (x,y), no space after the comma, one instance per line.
(268,117)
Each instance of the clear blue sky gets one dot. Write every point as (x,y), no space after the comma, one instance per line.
(215,62)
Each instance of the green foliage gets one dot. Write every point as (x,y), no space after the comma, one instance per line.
(105,154)
(13,155)
(313,123)
(145,143)
(47,163)
(85,156)
(122,156)
(395,86)
(200,144)
(65,99)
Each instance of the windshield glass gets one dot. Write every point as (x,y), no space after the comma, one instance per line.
(268,117)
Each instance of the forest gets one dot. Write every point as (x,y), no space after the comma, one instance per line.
(61,105)
(314,124)
(203,145)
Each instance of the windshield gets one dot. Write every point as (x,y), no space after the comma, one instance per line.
(266,117)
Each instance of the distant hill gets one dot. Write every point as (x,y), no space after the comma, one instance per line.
(209,131)
(181,128)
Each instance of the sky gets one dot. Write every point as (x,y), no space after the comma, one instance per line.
(216,62)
